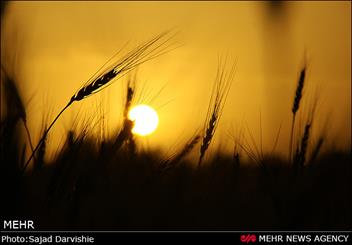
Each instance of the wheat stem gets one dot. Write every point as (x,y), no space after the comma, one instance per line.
(28,135)
(291,137)
(45,134)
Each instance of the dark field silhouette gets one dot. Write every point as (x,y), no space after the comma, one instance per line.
(110,184)
(91,186)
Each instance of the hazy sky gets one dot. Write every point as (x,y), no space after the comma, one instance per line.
(59,45)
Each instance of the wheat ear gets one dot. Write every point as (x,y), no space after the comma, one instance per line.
(295,106)
(188,147)
(104,77)
(15,98)
(221,89)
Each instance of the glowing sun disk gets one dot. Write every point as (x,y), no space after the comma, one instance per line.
(145,119)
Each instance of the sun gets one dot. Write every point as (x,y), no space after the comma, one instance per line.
(145,120)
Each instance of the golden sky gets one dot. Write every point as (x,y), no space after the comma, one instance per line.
(59,45)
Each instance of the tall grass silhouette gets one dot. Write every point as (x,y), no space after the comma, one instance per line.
(220,91)
(107,184)
(106,75)
(12,93)
(296,105)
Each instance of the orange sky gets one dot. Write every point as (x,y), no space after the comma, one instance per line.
(61,44)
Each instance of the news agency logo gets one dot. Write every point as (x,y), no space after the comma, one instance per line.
(313,238)
(247,238)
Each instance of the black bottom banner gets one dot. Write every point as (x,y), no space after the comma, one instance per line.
(179,237)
